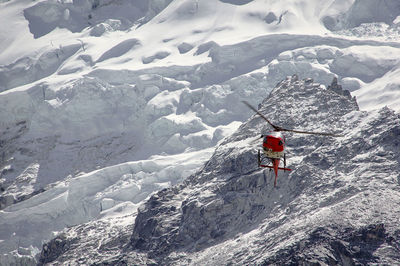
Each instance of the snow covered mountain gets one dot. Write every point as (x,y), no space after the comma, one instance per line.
(338,206)
(103,103)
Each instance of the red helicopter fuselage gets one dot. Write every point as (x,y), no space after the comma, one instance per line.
(274,149)
(274,142)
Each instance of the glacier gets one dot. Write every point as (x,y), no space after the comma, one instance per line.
(104,103)
(337,206)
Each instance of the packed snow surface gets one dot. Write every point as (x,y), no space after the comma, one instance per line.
(103,103)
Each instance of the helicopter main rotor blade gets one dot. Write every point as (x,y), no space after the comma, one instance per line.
(312,133)
(260,114)
(289,130)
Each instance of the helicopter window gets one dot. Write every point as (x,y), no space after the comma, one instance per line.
(280,143)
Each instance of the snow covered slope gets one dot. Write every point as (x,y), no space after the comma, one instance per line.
(119,91)
(339,205)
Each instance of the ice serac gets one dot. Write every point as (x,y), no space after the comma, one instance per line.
(338,205)
(45,16)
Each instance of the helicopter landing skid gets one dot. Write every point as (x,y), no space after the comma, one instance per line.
(280,168)
(261,159)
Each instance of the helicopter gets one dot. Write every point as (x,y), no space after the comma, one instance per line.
(273,145)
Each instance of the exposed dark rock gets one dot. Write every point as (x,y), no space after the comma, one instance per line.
(236,2)
(55,248)
(206,47)
(6,201)
(335,246)
(270,17)
(159,55)
(185,47)
(338,88)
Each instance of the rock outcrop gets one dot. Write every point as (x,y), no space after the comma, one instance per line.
(231,196)
(339,204)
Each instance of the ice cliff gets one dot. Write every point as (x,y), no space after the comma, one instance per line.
(339,205)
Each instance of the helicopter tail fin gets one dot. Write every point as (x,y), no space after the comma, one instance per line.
(275,166)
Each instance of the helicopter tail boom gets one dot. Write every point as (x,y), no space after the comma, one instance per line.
(275,166)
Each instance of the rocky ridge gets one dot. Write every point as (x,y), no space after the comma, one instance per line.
(339,205)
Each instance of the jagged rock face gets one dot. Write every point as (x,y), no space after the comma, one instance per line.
(88,244)
(54,248)
(335,246)
(231,196)
(339,204)
(231,193)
